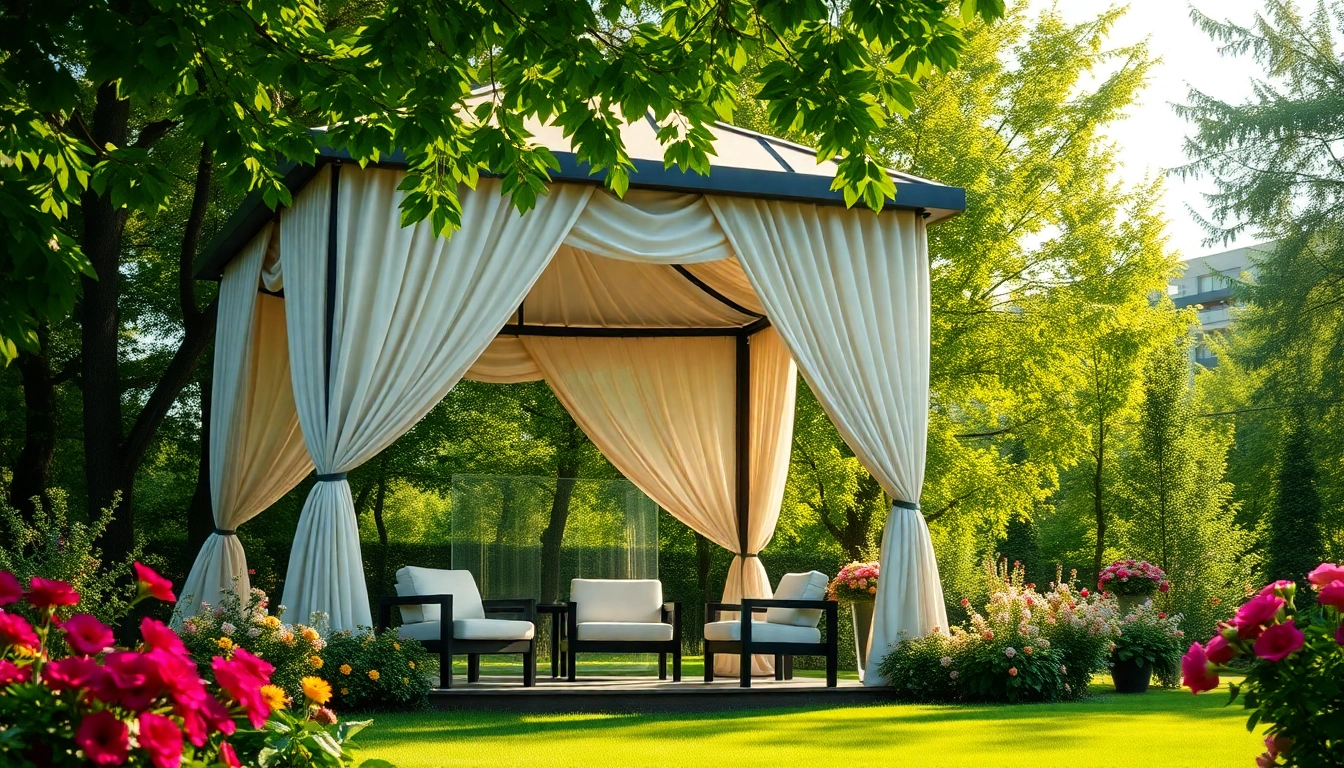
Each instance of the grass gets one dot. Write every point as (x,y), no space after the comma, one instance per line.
(1172,729)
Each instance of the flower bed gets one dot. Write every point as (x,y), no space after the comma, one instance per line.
(1295,683)
(373,672)
(1027,646)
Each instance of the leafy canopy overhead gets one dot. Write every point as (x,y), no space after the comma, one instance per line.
(250,78)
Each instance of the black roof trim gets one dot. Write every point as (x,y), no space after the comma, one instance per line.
(253,214)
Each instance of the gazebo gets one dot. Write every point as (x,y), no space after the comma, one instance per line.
(671,324)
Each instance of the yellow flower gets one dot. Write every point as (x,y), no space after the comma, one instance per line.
(24,652)
(405,681)
(411,664)
(345,691)
(316,689)
(345,669)
(316,661)
(275,697)
(309,634)
(396,646)
(373,674)
(224,643)
(272,621)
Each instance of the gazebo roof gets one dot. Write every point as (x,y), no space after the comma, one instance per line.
(744,164)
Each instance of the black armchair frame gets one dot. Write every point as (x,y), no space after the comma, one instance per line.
(571,646)
(446,646)
(783,652)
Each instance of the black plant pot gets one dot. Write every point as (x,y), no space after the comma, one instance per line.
(1131,676)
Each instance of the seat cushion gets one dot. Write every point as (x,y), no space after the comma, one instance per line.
(638,631)
(433,581)
(798,586)
(471,629)
(762,632)
(617,600)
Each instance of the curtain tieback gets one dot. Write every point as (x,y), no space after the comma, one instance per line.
(334,477)
(905,504)
(749,554)
(225,532)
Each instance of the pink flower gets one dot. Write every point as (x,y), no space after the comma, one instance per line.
(11,591)
(15,630)
(1012,671)
(965,602)
(200,721)
(160,636)
(227,756)
(1332,595)
(162,739)
(1163,587)
(87,635)
(1279,641)
(1219,651)
(130,680)
(72,673)
(103,738)
(49,593)
(11,673)
(178,675)
(1195,668)
(1084,593)
(152,584)
(1325,573)
(1339,635)
(1279,588)
(324,716)
(1266,760)
(240,679)
(1252,616)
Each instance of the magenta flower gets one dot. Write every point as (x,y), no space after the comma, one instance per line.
(49,593)
(72,673)
(1195,668)
(104,739)
(1326,573)
(15,630)
(87,635)
(154,585)
(1252,616)
(1332,595)
(11,591)
(162,739)
(1279,641)
(11,673)
(1219,651)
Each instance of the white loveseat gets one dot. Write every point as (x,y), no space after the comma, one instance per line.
(789,628)
(621,616)
(444,611)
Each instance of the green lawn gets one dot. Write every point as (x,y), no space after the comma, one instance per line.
(1164,729)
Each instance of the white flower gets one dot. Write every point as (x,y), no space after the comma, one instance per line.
(1010,652)
(1067,688)
(227,628)
(254,631)
(946,661)
(952,674)
(1002,618)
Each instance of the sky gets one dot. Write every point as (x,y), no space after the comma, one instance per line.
(1150,139)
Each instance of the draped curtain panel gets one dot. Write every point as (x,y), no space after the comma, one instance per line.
(412,311)
(650,227)
(256,448)
(848,292)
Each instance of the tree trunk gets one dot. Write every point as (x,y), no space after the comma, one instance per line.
(32,468)
(1098,506)
(104,469)
(704,558)
(554,534)
(378,504)
(200,514)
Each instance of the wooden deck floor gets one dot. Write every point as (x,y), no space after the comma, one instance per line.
(648,694)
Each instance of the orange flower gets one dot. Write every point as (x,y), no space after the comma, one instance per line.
(345,669)
(1012,671)
(316,689)
(224,643)
(373,674)
(275,697)
(316,661)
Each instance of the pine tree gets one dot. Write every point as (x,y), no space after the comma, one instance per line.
(1295,544)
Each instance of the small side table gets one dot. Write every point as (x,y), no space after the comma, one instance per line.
(558,611)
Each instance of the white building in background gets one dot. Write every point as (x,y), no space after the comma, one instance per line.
(1207,283)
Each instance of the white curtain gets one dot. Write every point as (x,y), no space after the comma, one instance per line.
(412,312)
(256,448)
(849,293)
(505,361)
(650,227)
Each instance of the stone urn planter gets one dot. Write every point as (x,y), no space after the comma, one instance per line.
(1130,602)
(1131,676)
(861,612)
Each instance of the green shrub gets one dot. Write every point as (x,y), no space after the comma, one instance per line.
(378,672)
(1151,637)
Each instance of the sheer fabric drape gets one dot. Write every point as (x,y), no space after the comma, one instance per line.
(412,312)
(256,448)
(849,294)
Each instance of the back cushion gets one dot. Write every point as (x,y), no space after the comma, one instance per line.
(432,581)
(798,586)
(630,600)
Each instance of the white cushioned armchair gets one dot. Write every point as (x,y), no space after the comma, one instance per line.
(444,611)
(622,616)
(788,629)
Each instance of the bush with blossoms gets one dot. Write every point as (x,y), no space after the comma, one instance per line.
(1026,646)
(69,696)
(1150,637)
(246,622)
(1294,684)
(856,582)
(378,672)
(1132,577)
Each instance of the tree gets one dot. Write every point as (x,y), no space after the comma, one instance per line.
(1295,545)
(93,93)
(1273,161)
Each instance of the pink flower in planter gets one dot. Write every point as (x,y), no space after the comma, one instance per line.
(87,635)
(1325,574)
(11,673)
(162,739)
(151,583)
(160,636)
(1252,616)
(227,756)
(104,738)
(15,630)
(1279,642)
(1195,668)
(71,673)
(48,593)
(1280,588)
(1219,651)
(1332,595)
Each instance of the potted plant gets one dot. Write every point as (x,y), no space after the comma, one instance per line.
(856,586)
(1132,582)
(1297,660)
(1149,643)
